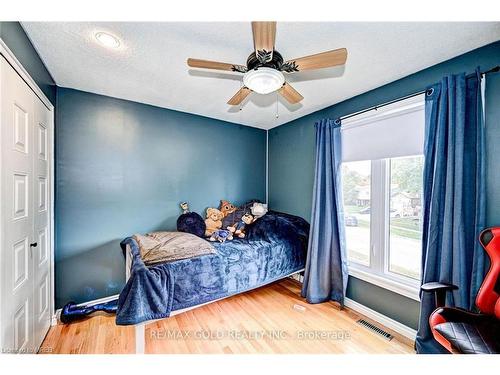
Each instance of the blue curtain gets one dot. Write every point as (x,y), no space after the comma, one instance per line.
(326,266)
(454,196)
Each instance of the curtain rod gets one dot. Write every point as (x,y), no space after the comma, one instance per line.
(495,69)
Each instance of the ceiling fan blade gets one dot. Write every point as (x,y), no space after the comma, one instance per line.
(264,36)
(206,64)
(239,96)
(290,94)
(317,61)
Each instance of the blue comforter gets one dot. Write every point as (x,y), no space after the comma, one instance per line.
(275,246)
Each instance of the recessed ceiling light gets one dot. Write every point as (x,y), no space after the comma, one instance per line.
(107,40)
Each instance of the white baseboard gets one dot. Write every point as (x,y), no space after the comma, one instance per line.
(381,318)
(375,315)
(55,319)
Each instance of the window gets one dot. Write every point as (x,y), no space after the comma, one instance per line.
(405,216)
(382,193)
(356,184)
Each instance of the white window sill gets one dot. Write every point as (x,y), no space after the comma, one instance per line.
(409,291)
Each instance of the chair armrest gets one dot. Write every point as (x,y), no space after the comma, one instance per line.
(457,314)
(434,287)
(439,290)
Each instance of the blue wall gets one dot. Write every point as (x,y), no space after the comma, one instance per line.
(291,160)
(14,36)
(124,167)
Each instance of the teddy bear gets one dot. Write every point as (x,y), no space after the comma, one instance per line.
(226,207)
(239,228)
(213,221)
(221,235)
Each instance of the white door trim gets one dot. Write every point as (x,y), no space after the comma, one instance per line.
(14,62)
(23,73)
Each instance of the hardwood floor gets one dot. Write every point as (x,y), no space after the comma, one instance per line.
(271,319)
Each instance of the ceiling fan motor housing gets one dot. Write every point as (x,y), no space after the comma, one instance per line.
(253,61)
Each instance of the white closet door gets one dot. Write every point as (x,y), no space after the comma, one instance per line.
(41,211)
(17,211)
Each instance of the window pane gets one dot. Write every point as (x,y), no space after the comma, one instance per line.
(406,216)
(356,180)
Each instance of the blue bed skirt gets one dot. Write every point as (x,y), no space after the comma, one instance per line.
(275,247)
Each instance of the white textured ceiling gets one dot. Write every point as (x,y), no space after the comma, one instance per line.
(151,66)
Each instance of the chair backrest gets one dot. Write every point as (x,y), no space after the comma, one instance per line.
(488,297)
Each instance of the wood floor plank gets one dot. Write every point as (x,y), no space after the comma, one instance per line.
(271,319)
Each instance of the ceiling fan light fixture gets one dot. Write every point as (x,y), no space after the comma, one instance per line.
(263,80)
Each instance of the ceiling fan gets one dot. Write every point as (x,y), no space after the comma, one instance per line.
(263,72)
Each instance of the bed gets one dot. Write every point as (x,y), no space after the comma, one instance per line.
(275,247)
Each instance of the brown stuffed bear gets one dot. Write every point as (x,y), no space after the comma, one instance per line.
(213,221)
(226,207)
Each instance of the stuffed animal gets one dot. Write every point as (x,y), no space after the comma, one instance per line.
(258,210)
(192,223)
(239,228)
(221,235)
(213,221)
(226,207)
(185,207)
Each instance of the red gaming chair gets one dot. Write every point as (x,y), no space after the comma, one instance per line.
(462,331)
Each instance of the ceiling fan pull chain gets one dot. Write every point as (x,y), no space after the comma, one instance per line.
(241,103)
(277,110)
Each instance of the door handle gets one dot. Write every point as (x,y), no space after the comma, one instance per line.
(32,245)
